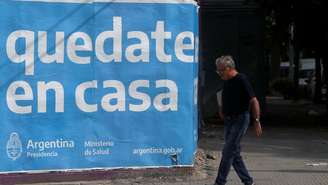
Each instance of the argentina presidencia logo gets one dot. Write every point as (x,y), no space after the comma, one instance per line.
(14,146)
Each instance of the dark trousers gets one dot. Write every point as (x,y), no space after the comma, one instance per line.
(234,129)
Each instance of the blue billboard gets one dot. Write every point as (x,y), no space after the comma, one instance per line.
(97,84)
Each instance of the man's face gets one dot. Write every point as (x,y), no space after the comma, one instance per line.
(223,72)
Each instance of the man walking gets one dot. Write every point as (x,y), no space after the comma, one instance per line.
(237,98)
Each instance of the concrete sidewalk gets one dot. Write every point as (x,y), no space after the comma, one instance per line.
(283,156)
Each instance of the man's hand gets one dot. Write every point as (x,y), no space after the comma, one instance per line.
(258,128)
(255,107)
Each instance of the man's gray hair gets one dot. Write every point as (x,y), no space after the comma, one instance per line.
(226,61)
